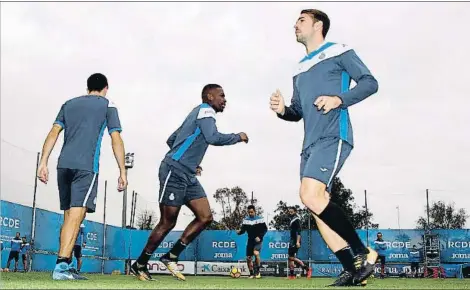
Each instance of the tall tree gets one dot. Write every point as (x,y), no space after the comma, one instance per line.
(233,203)
(339,195)
(146,220)
(443,216)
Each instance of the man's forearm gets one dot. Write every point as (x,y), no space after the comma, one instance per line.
(290,115)
(118,149)
(49,144)
(298,239)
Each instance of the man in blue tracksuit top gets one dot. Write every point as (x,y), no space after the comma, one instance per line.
(380,246)
(256,228)
(415,258)
(321,98)
(15,247)
(178,182)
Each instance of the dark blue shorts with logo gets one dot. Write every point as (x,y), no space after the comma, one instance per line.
(177,188)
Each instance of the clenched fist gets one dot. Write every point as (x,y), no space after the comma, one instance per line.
(277,103)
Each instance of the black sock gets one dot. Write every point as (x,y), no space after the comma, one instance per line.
(62,260)
(346,258)
(291,272)
(256,270)
(177,249)
(252,273)
(144,258)
(335,218)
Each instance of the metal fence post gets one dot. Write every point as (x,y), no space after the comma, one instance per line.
(33,221)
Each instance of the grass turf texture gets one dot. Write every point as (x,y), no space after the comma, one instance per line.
(44,280)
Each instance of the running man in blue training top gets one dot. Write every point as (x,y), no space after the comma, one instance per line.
(84,120)
(321,98)
(178,182)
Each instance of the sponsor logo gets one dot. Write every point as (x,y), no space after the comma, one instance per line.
(460,256)
(399,245)
(398,256)
(224,245)
(9,222)
(278,245)
(458,244)
(92,236)
(208,268)
(279,256)
(157,267)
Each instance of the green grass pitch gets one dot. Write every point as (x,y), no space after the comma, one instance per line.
(96,281)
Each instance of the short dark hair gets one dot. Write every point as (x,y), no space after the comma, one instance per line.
(292,208)
(207,88)
(318,15)
(97,82)
(251,207)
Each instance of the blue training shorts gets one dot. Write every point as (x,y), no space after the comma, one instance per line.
(177,188)
(324,159)
(77,188)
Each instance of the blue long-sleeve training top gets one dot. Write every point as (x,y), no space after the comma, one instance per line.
(414,256)
(328,71)
(381,247)
(16,244)
(255,227)
(188,144)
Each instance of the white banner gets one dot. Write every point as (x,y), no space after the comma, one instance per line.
(220,268)
(157,267)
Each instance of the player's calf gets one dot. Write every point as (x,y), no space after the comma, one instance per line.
(257,265)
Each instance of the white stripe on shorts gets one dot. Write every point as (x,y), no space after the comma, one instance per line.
(338,154)
(164,186)
(89,190)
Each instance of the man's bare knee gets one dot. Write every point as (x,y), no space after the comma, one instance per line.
(206,219)
(167,225)
(76,214)
(312,195)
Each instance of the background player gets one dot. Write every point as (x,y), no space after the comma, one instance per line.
(80,243)
(256,229)
(84,119)
(178,183)
(1,250)
(381,247)
(24,251)
(321,97)
(294,244)
(14,251)
(415,258)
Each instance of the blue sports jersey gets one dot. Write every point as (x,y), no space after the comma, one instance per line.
(255,227)
(328,71)
(381,247)
(188,144)
(414,256)
(25,248)
(84,120)
(16,244)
